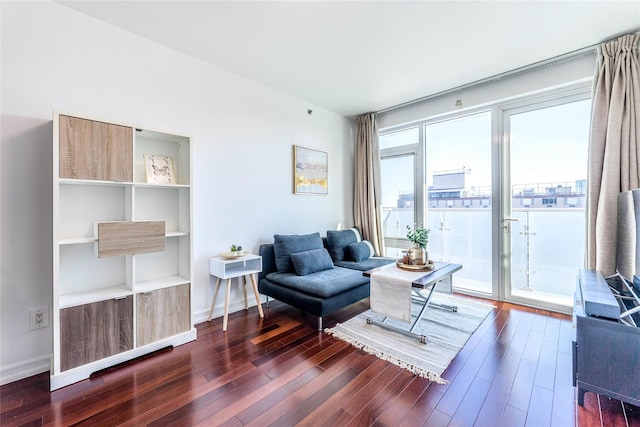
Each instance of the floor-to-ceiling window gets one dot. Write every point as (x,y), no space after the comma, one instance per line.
(458,169)
(502,191)
(401,173)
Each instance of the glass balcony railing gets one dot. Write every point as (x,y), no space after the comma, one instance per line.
(547,250)
(547,246)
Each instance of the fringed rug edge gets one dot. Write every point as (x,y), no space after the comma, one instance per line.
(423,373)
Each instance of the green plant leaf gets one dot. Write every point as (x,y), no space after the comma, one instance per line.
(419,236)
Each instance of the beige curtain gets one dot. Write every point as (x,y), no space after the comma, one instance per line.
(614,155)
(367,197)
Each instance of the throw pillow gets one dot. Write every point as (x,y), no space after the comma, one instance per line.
(361,251)
(285,245)
(339,240)
(312,261)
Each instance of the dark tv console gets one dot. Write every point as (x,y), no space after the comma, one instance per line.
(606,346)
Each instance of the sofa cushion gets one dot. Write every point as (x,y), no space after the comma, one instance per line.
(285,245)
(338,242)
(323,284)
(312,261)
(361,250)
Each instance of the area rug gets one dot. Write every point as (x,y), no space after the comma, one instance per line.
(446,332)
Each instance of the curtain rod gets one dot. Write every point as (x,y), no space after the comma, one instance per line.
(544,63)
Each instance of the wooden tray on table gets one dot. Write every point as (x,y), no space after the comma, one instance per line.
(409,267)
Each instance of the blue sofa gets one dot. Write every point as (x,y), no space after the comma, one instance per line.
(315,274)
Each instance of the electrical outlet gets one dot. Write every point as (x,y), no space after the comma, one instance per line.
(38,318)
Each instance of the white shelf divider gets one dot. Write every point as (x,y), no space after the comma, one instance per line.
(94,295)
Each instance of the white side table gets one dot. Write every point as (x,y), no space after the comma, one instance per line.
(223,268)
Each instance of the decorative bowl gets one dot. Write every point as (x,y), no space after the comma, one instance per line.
(233,254)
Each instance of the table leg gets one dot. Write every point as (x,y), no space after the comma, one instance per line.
(416,297)
(215,295)
(256,293)
(244,291)
(226,306)
(371,321)
(424,308)
(453,308)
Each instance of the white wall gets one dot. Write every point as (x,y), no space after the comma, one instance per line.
(243,132)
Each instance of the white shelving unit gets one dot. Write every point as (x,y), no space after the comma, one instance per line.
(93,184)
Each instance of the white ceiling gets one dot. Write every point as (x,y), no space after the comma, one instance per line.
(352,57)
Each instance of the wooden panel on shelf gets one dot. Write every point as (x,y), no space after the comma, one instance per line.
(163,313)
(94,331)
(95,150)
(128,238)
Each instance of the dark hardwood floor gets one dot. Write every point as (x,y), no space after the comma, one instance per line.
(514,371)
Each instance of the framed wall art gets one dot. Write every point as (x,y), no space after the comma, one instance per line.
(310,171)
(159,169)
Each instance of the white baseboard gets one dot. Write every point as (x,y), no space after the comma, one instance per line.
(22,370)
(203,315)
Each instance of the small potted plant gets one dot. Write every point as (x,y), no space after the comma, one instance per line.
(419,236)
(237,250)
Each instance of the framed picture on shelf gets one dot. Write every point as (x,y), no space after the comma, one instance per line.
(159,169)
(310,171)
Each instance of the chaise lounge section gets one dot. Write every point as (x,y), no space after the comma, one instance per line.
(317,275)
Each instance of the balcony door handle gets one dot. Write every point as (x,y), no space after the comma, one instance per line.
(507,221)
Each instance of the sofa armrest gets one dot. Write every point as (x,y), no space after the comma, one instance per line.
(268,260)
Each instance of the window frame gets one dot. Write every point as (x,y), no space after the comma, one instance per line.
(417,151)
